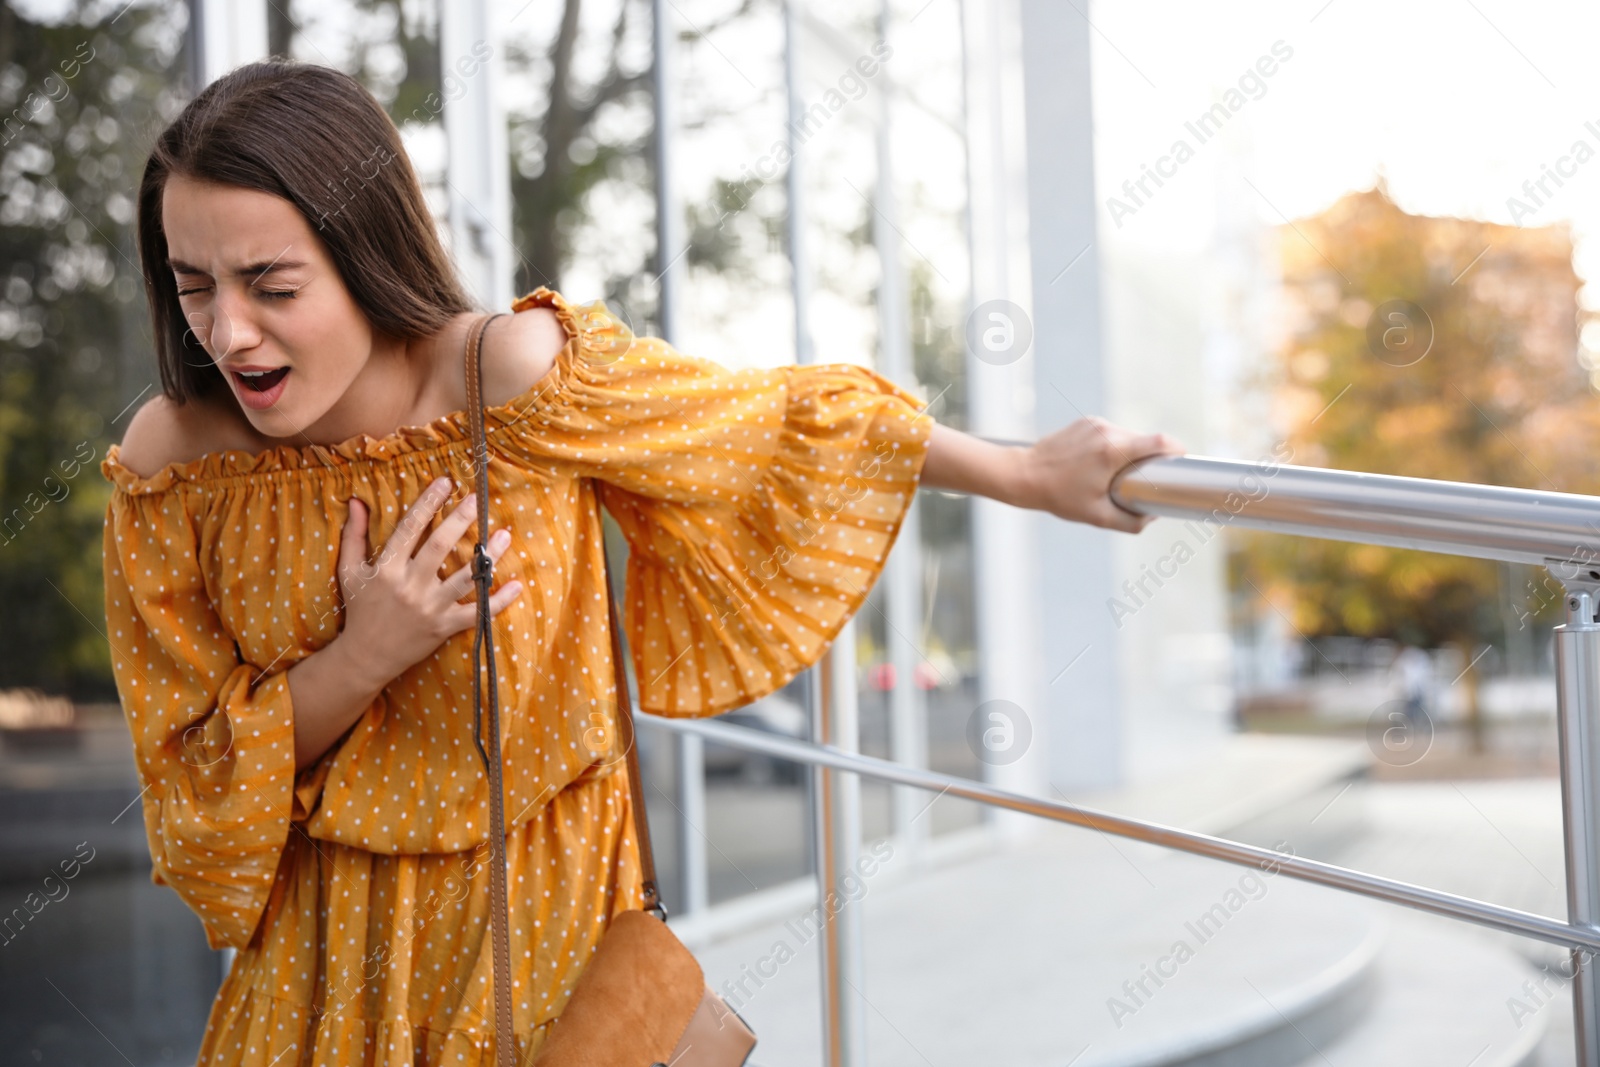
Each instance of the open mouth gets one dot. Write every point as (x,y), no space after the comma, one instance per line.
(263,381)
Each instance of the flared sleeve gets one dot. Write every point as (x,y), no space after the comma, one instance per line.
(759,505)
(213,736)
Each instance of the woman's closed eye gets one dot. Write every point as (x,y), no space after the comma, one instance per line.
(275,294)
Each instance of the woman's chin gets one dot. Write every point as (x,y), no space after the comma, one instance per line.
(272,426)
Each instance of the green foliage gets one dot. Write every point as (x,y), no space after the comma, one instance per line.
(80,98)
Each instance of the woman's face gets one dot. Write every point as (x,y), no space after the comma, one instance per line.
(260,292)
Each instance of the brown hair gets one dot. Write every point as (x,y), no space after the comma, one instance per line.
(317,138)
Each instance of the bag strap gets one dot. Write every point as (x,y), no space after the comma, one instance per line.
(483,577)
(483,640)
(647,860)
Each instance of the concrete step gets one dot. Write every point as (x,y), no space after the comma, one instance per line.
(1010,961)
(1442,994)
(1015,952)
(1497,840)
(1050,954)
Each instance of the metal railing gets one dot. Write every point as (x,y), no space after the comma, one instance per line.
(1558,530)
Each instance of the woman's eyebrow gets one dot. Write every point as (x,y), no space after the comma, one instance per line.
(250,271)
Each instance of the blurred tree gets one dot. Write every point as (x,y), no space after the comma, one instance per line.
(583,127)
(389,46)
(81,95)
(583,134)
(1433,348)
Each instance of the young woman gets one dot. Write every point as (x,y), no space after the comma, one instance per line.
(302,718)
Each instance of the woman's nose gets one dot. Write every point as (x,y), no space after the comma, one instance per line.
(233,327)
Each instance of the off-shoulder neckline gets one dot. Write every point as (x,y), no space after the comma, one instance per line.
(452,428)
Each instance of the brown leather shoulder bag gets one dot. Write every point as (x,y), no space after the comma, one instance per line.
(642,999)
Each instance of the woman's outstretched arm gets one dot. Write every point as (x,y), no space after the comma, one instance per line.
(1067,473)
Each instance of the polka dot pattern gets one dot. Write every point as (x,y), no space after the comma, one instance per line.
(759,507)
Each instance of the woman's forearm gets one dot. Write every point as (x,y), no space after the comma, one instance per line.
(962,463)
(1067,473)
(330,690)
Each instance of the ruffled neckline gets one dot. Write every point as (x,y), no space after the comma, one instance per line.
(442,432)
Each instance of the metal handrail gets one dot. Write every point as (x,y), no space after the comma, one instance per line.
(1494,916)
(1458,518)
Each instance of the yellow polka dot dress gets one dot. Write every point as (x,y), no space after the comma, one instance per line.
(759,507)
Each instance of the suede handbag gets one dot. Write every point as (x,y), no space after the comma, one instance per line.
(642,999)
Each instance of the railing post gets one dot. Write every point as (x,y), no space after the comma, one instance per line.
(694,875)
(688,760)
(836,815)
(1577,646)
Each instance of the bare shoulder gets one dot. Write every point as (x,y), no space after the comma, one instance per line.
(519,350)
(163,431)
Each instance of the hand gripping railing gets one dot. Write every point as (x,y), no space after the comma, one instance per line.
(1558,530)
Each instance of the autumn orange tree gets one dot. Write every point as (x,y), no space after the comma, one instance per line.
(1434,348)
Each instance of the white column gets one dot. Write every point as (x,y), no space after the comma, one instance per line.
(1078,682)
(227,34)
(478,167)
(1000,362)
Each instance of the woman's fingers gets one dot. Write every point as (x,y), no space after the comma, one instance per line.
(403,541)
(1154,444)
(465,616)
(1114,518)
(1127,447)
(1136,448)
(460,583)
(504,595)
(1078,463)
(353,546)
(430,557)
